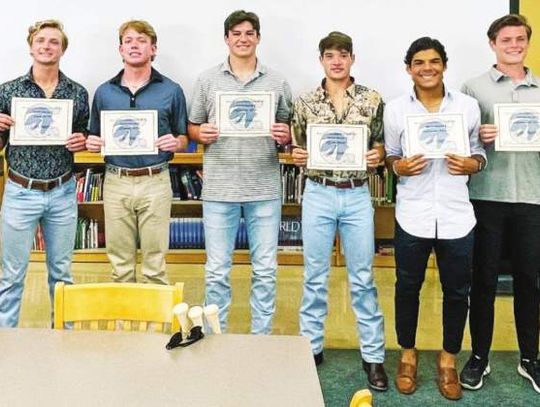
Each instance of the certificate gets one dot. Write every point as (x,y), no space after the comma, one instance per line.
(436,134)
(519,126)
(245,114)
(129,132)
(41,121)
(337,147)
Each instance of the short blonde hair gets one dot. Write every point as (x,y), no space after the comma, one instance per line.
(141,26)
(40,25)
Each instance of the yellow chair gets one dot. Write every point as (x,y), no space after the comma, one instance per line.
(362,398)
(102,305)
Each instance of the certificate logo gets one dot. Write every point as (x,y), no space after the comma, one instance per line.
(333,145)
(242,112)
(524,126)
(127,132)
(434,135)
(39,121)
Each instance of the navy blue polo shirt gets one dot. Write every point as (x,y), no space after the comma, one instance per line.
(161,94)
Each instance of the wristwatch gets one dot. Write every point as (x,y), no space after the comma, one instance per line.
(481,165)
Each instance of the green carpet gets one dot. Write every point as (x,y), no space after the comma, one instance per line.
(341,375)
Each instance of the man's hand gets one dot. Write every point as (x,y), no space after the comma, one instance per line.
(5,122)
(76,142)
(281,133)
(299,156)
(373,158)
(458,165)
(94,143)
(208,133)
(488,133)
(172,144)
(410,166)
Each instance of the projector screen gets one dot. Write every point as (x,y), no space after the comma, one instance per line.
(190,37)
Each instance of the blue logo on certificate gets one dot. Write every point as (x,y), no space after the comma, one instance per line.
(333,145)
(38,120)
(127,132)
(242,112)
(433,134)
(524,126)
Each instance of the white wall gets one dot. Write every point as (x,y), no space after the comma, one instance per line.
(190,36)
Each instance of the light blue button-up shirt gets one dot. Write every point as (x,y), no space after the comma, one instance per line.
(434,204)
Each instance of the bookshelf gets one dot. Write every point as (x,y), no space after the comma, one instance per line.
(384,221)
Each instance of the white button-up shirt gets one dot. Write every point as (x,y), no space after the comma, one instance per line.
(433,204)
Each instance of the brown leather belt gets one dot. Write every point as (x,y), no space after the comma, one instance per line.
(350,183)
(42,185)
(137,172)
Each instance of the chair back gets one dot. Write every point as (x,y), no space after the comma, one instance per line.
(112,306)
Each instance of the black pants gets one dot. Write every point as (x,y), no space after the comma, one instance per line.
(523,223)
(454,258)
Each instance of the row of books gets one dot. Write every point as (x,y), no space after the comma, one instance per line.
(186,183)
(188,233)
(382,186)
(87,236)
(292,184)
(89,186)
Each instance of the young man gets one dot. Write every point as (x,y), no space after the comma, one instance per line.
(336,199)
(241,174)
(432,212)
(137,190)
(41,188)
(506,199)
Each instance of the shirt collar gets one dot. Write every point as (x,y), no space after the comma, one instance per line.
(155,76)
(448,93)
(62,79)
(322,94)
(529,80)
(260,69)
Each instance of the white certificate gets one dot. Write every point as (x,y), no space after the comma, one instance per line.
(337,147)
(41,121)
(129,132)
(245,114)
(519,126)
(436,134)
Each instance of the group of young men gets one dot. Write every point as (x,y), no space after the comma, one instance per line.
(241,179)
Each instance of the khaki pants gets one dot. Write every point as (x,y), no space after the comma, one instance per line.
(137,209)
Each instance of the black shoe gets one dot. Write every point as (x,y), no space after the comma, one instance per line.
(472,375)
(530,369)
(319,358)
(377,378)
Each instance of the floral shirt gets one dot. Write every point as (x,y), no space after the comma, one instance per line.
(363,106)
(43,162)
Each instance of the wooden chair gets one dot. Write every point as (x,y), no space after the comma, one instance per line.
(110,305)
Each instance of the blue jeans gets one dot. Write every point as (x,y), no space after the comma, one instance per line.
(22,210)
(325,209)
(221,220)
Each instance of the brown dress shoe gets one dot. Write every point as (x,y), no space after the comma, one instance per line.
(406,376)
(448,381)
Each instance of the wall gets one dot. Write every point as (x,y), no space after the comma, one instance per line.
(190,36)
(531,9)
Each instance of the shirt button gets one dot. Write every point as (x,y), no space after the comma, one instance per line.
(133,99)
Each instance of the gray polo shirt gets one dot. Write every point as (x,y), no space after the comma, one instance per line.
(510,176)
(240,169)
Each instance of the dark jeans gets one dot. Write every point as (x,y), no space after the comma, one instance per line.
(523,223)
(454,258)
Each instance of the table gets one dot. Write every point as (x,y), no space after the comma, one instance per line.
(99,368)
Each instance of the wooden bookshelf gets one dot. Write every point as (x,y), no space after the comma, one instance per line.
(384,222)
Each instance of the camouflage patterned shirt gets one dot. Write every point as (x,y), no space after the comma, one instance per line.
(363,106)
